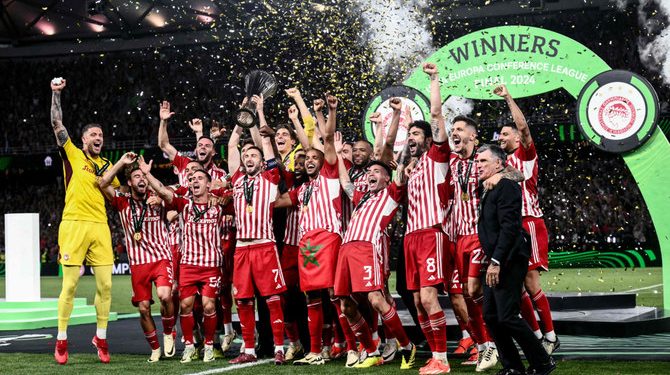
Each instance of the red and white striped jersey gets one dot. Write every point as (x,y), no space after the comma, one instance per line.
(359,178)
(254,219)
(292,231)
(424,207)
(201,233)
(525,160)
(180,161)
(153,246)
(464,172)
(174,233)
(449,222)
(319,201)
(373,213)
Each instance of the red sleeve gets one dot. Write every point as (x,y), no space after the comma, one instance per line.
(119,202)
(220,192)
(348,164)
(180,161)
(181,191)
(272,175)
(177,204)
(289,178)
(293,194)
(329,170)
(358,195)
(525,154)
(396,192)
(439,153)
(236,176)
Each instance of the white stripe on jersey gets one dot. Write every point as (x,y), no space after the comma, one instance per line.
(154,243)
(291,234)
(425,209)
(466,213)
(529,168)
(369,220)
(257,224)
(324,206)
(201,240)
(360,184)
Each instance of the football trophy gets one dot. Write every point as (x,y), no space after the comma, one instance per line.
(259,83)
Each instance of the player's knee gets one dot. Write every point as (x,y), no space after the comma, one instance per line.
(144,308)
(377,301)
(209,307)
(474,290)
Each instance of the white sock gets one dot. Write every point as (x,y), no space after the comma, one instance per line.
(62,335)
(551,336)
(209,346)
(228,328)
(465,334)
(279,349)
(375,335)
(441,356)
(538,334)
(251,351)
(101,333)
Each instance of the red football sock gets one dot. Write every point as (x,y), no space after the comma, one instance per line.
(168,325)
(394,326)
(337,331)
(543,310)
(276,319)
(315,325)
(292,331)
(152,339)
(176,303)
(226,300)
(374,320)
(438,323)
(245,310)
(327,334)
(528,312)
(477,320)
(346,328)
(187,322)
(424,323)
(362,331)
(210,327)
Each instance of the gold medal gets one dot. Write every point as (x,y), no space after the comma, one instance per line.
(137,236)
(250,209)
(465,197)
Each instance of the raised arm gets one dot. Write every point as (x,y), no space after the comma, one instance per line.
(403,161)
(387,149)
(163,140)
(233,150)
(164,192)
(299,130)
(320,123)
(345,180)
(307,119)
(57,114)
(268,139)
(437,123)
(329,131)
(376,119)
(517,115)
(196,126)
(105,182)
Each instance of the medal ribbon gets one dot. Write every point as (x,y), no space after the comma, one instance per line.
(197,213)
(248,191)
(137,222)
(99,171)
(307,194)
(355,174)
(364,199)
(463,180)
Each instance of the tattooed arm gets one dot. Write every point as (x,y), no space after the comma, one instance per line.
(509,173)
(437,123)
(57,114)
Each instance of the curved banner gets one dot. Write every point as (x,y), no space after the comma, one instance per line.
(528,60)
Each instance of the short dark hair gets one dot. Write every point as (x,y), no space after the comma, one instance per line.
(424,126)
(496,151)
(381,164)
(317,151)
(197,162)
(209,177)
(467,120)
(247,141)
(364,141)
(206,137)
(130,169)
(510,125)
(290,130)
(85,128)
(256,148)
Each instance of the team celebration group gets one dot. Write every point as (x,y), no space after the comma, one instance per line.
(210,241)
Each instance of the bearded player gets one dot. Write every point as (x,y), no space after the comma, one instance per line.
(148,251)
(320,230)
(517,142)
(83,233)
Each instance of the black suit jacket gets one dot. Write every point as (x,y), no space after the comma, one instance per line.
(500,231)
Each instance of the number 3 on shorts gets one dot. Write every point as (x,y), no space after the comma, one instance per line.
(430,265)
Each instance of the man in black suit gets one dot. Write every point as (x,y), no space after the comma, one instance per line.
(507,246)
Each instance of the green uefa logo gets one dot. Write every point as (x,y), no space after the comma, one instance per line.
(617,111)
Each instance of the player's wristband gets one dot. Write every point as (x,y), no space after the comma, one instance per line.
(271,164)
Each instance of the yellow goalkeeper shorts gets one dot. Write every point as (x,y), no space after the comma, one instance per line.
(85,240)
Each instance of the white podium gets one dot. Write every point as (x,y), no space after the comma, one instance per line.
(22,257)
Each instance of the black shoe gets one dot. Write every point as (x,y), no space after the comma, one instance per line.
(510,371)
(544,369)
